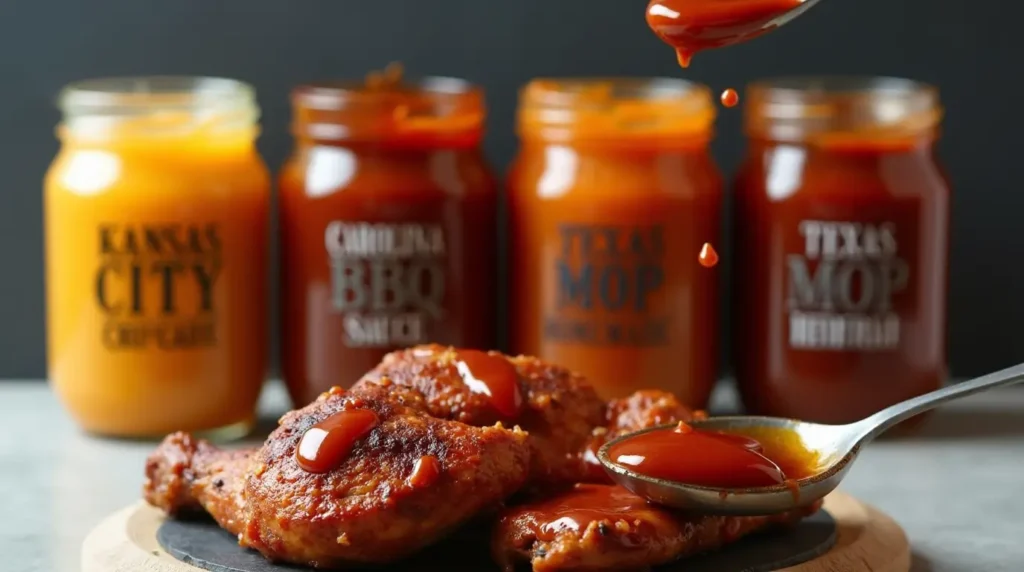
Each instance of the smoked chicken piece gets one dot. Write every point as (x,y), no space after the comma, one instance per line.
(642,410)
(373,507)
(186,474)
(604,527)
(557,408)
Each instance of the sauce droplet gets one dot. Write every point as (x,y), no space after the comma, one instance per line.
(708,257)
(327,444)
(425,472)
(684,57)
(698,458)
(494,376)
(730,98)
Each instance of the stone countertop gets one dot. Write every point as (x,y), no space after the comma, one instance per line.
(953,487)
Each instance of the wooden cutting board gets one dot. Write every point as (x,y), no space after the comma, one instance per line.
(865,540)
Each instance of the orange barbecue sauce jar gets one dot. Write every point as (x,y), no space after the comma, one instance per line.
(156,216)
(388,226)
(610,200)
(841,248)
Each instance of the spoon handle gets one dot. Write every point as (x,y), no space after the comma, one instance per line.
(887,418)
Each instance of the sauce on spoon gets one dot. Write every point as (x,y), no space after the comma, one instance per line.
(764,457)
(690,26)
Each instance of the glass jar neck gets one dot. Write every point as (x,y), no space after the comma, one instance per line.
(430,113)
(157,111)
(844,113)
(621,147)
(843,144)
(616,113)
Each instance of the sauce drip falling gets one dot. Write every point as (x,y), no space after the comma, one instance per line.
(575,509)
(494,376)
(690,26)
(708,257)
(730,98)
(769,457)
(326,445)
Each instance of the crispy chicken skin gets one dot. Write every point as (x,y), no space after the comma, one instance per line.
(186,474)
(643,410)
(637,539)
(560,409)
(366,510)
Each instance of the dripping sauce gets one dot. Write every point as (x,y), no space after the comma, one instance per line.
(730,98)
(761,457)
(690,26)
(326,445)
(494,376)
(708,257)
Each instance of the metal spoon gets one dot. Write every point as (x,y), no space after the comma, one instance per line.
(804,6)
(837,447)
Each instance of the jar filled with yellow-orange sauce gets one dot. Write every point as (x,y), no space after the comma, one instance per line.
(388,226)
(611,198)
(156,211)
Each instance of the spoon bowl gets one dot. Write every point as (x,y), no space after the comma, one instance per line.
(834,460)
(836,448)
(690,26)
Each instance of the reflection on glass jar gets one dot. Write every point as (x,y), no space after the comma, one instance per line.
(388,227)
(611,198)
(156,252)
(841,237)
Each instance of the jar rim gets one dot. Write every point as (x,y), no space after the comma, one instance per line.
(615,108)
(432,111)
(148,92)
(833,84)
(802,107)
(148,107)
(572,91)
(337,95)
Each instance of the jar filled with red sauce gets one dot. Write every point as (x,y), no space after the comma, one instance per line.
(611,198)
(841,248)
(388,226)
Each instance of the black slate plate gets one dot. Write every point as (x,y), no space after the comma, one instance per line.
(201,543)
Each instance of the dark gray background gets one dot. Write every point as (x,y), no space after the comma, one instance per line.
(971,49)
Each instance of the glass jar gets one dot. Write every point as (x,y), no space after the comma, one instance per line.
(156,216)
(388,227)
(610,199)
(841,239)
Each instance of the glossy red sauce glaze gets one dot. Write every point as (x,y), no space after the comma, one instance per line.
(425,472)
(690,26)
(325,446)
(730,98)
(714,459)
(708,257)
(575,509)
(495,377)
